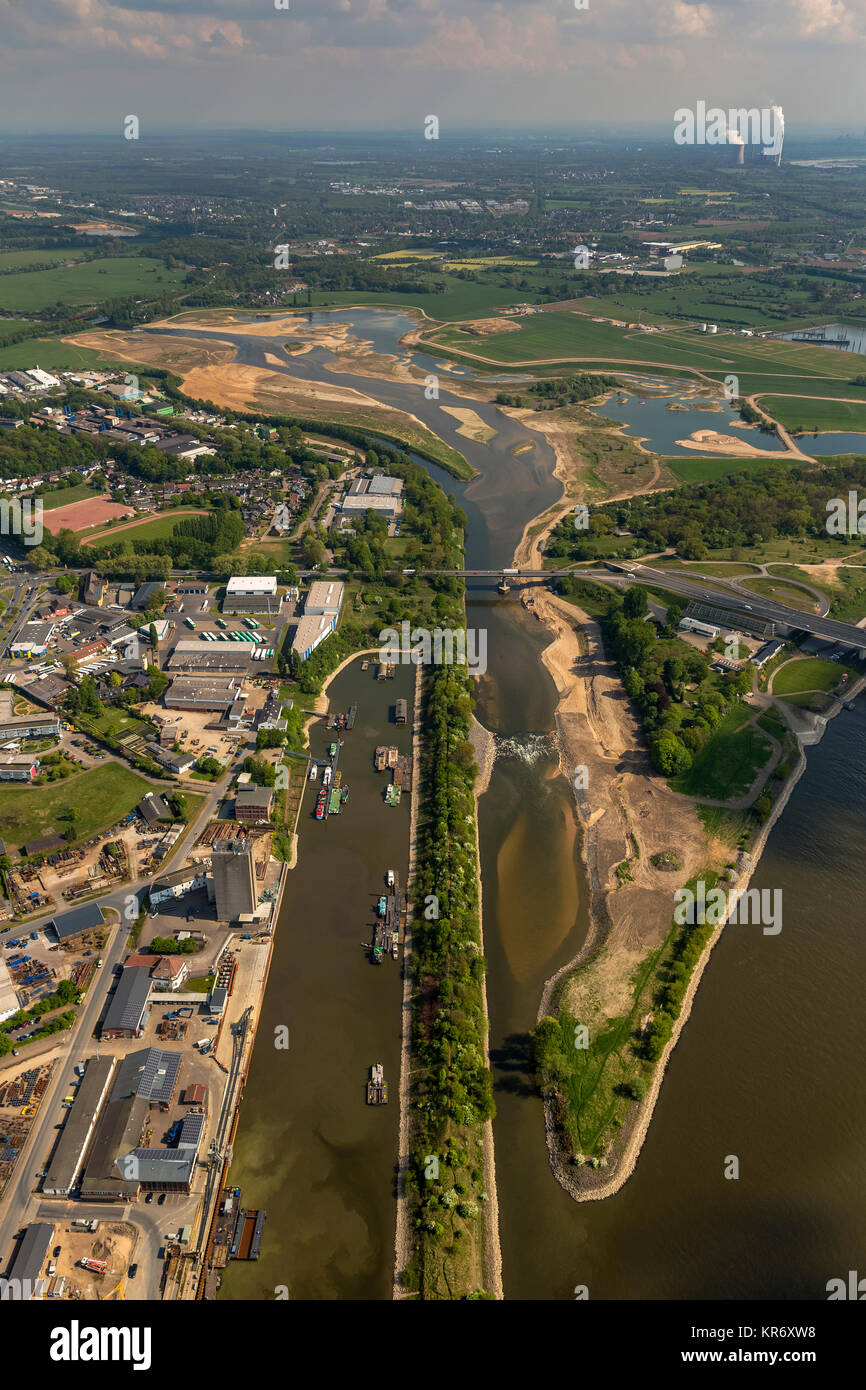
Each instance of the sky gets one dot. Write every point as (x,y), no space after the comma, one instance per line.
(68,65)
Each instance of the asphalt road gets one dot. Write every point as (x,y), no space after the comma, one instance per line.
(20,1202)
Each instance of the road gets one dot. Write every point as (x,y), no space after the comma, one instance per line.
(20,1202)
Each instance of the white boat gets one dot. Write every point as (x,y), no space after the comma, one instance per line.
(377,1073)
(314,771)
(326,777)
(390,880)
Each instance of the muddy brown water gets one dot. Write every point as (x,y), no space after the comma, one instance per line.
(767,1068)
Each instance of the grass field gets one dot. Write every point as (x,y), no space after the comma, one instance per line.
(809,673)
(101,796)
(15,260)
(781,592)
(707,470)
(729,762)
(816,416)
(90,283)
(62,496)
(53,353)
(566,337)
(847,598)
(149,528)
(462,299)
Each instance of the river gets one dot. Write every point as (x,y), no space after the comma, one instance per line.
(766,1068)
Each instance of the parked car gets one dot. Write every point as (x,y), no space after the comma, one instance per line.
(149,1198)
(160,1199)
(132,1271)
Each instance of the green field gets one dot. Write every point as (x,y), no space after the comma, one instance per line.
(707,470)
(90,283)
(154,528)
(566,337)
(781,592)
(62,496)
(14,260)
(51,354)
(815,416)
(462,299)
(101,796)
(729,762)
(809,673)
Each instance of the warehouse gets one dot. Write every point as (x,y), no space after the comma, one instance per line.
(210,656)
(252,594)
(68,1158)
(151,1075)
(152,809)
(175,762)
(24,1272)
(177,884)
(68,925)
(129,1007)
(253,804)
(209,693)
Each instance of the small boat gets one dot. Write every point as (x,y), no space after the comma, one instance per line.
(332,751)
(320,806)
(344,795)
(365,665)
(390,879)
(382,906)
(381,760)
(326,777)
(377,1086)
(314,771)
(377,1073)
(395,942)
(338,777)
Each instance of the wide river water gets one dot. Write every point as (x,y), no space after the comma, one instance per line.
(766,1068)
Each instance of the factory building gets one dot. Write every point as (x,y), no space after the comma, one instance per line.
(208,693)
(252,594)
(234,875)
(67,1160)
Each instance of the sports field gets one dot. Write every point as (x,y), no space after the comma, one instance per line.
(80,516)
(146,529)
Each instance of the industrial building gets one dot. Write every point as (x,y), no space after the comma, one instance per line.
(129,1006)
(234,876)
(767,652)
(252,594)
(209,693)
(68,1157)
(177,883)
(68,925)
(377,494)
(25,1270)
(253,804)
(210,656)
(321,612)
(152,809)
(175,762)
(695,625)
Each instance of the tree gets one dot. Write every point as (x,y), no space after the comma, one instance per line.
(669,755)
(635,604)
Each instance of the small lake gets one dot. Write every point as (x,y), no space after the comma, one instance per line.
(830,443)
(659,427)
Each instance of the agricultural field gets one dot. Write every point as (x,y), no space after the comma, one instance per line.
(463,299)
(101,796)
(90,283)
(813,416)
(561,338)
(17,260)
(707,470)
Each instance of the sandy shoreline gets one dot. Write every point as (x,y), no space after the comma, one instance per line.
(561,656)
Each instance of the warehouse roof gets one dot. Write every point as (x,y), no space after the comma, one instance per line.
(79,919)
(150,1073)
(31,1255)
(130,998)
